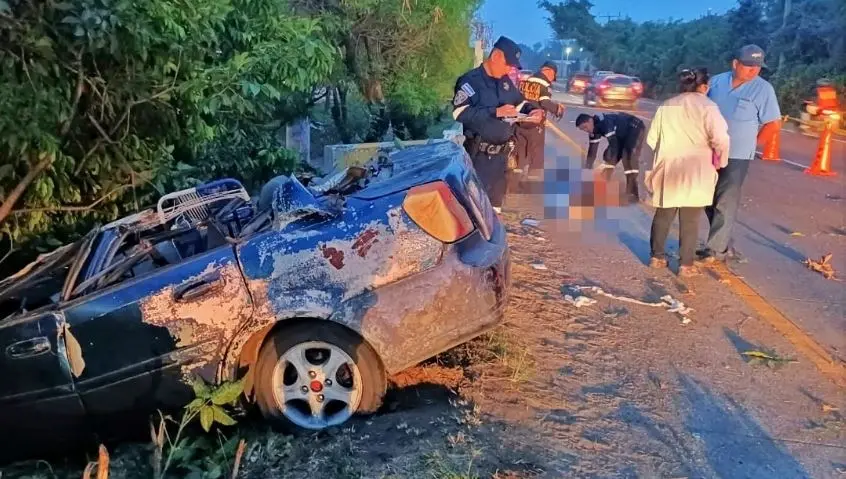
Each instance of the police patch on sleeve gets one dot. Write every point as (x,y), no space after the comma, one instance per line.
(460,97)
(466,88)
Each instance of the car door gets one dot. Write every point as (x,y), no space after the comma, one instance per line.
(143,339)
(39,407)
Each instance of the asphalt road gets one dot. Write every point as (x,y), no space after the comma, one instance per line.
(786,216)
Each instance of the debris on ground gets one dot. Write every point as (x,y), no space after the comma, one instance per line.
(829,408)
(579,301)
(767,359)
(539,266)
(823,266)
(797,233)
(530,222)
(671,304)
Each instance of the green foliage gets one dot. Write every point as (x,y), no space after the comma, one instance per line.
(126,99)
(403,58)
(208,403)
(198,457)
(806,45)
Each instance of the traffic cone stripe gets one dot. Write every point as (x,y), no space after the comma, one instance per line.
(822,162)
(771,149)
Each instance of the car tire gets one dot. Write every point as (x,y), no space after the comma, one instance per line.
(280,379)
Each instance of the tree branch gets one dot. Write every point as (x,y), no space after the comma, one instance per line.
(80,87)
(6,208)
(71,209)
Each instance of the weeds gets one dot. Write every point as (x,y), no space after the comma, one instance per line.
(511,354)
(439,466)
(199,457)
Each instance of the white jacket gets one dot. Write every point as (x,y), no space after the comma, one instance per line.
(686,131)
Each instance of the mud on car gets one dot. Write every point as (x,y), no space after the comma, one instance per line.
(313,292)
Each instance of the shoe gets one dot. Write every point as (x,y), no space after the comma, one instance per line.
(657,263)
(689,271)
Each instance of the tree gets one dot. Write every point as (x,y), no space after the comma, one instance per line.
(802,37)
(107,103)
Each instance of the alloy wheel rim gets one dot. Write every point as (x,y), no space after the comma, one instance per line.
(316,385)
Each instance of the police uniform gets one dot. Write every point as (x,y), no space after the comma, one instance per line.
(625,134)
(530,138)
(489,140)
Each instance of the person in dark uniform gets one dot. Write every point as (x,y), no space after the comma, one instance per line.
(531,137)
(625,134)
(485,98)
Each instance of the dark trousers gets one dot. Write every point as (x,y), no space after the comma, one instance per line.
(629,155)
(723,212)
(688,226)
(530,147)
(491,172)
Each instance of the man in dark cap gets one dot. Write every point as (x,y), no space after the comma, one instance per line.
(750,107)
(487,102)
(531,137)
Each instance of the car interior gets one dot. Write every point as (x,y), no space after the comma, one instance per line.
(139,249)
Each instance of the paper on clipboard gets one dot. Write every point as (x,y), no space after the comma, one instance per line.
(522,118)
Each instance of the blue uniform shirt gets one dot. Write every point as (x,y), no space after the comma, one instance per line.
(745,108)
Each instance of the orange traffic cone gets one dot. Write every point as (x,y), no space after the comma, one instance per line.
(822,162)
(772,148)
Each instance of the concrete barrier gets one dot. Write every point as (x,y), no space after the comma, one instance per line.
(337,157)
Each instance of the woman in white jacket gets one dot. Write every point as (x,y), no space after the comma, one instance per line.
(689,138)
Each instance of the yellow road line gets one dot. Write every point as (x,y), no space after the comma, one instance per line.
(550,125)
(816,353)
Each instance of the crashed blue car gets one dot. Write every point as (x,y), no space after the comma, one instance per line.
(314,292)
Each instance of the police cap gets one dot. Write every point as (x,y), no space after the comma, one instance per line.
(511,51)
(552,66)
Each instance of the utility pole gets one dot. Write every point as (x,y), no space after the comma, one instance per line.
(609,17)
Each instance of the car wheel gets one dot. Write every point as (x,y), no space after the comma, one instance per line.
(315,375)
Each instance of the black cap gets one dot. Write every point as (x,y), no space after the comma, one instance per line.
(552,66)
(511,51)
(751,56)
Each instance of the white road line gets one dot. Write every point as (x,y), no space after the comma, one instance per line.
(838,140)
(800,165)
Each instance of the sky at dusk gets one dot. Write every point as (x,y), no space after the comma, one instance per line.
(525,22)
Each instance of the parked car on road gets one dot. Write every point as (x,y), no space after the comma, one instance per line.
(578,83)
(637,85)
(612,90)
(314,293)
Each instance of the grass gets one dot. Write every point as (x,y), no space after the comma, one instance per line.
(503,347)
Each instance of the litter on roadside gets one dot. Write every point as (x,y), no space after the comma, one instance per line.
(823,266)
(530,222)
(671,304)
(579,301)
(539,266)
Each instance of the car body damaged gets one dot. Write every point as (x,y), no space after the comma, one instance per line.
(194,287)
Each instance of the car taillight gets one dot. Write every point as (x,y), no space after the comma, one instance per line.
(603,86)
(637,87)
(436,210)
(579,83)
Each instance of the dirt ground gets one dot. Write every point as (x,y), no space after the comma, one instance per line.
(610,389)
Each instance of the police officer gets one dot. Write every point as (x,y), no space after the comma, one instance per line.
(625,134)
(485,98)
(531,137)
